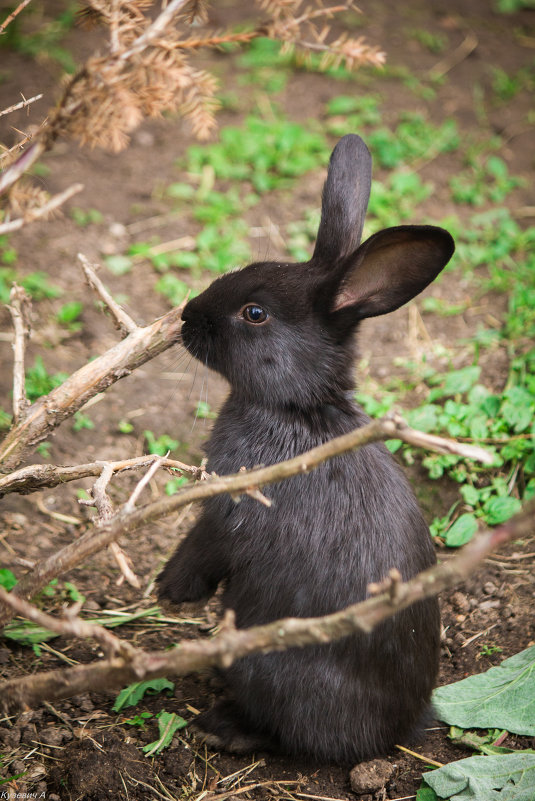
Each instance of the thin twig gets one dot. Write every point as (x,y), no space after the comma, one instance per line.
(439,444)
(23,103)
(180,243)
(311,797)
(123,321)
(227,795)
(425,759)
(154,30)
(479,634)
(20,309)
(456,57)
(125,566)
(138,782)
(140,486)
(516,556)
(8,153)
(35,214)
(61,518)
(14,14)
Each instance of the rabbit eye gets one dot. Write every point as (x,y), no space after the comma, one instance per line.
(254,314)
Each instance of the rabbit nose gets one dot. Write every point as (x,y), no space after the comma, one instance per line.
(193,311)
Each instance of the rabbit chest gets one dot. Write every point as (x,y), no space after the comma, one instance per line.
(327,534)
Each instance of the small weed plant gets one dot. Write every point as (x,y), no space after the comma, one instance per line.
(40,382)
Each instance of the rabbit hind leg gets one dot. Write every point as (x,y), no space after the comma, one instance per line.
(224,727)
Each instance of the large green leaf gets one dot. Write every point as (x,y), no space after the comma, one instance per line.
(133,694)
(509,777)
(168,724)
(503,697)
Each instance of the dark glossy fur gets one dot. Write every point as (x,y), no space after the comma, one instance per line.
(328,534)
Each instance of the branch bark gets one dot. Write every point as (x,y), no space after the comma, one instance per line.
(14,14)
(35,477)
(231,643)
(23,103)
(19,308)
(125,522)
(123,320)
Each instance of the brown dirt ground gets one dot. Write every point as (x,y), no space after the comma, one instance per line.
(80,749)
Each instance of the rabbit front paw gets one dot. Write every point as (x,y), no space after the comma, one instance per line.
(176,586)
(223,727)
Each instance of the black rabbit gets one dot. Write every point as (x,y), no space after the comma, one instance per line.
(283,336)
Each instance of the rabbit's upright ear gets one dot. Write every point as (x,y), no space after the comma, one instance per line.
(390,268)
(344,201)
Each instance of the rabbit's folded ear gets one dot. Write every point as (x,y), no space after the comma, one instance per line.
(344,201)
(390,268)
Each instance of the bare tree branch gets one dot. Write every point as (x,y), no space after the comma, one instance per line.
(26,160)
(37,476)
(456,57)
(23,103)
(99,496)
(14,14)
(50,410)
(20,309)
(390,427)
(231,643)
(123,321)
(131,502)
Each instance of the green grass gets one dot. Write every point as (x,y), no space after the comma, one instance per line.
(395,200)
(81,421)
(485,181)
(413,138)
(40,382)
(68,315)
(459,406)
(37,284)
(498,256)
(85,217)
(268,154)
(511,6)
(434,42)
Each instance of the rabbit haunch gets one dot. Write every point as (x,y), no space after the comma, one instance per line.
(283,336)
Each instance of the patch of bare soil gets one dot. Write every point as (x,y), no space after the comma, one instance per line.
(79,749)
(99,766)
